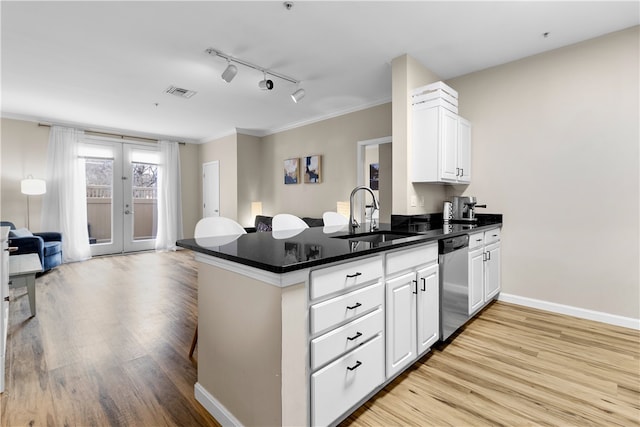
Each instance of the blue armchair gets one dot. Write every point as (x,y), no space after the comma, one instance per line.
(47,245)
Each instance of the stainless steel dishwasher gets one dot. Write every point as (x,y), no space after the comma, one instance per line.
(454,284)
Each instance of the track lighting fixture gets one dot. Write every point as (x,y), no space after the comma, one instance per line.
(297,95)
(264,84)
(230,72)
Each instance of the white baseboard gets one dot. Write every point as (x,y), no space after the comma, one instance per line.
(598,316)
(215,408)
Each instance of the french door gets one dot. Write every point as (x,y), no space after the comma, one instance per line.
(122,210)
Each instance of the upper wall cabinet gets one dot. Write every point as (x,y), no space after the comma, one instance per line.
(441,146)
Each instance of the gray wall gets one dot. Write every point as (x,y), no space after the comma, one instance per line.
(555,149)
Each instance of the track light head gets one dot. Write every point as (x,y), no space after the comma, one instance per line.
(297,95)
(229,73)
(265,84)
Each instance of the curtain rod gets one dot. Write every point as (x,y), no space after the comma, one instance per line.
(121,136)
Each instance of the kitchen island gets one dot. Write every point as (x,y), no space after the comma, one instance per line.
(261,304)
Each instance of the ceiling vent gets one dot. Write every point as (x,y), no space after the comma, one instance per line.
(178,91)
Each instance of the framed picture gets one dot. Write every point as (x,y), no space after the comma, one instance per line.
(374,175)
(312,173)
(291,171)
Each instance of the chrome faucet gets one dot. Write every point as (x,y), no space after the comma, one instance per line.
(353,224)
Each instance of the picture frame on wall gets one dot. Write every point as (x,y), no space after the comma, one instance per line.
(312,169)
(374,176)
(291,171)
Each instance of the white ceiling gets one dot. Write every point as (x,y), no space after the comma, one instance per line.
(105,65)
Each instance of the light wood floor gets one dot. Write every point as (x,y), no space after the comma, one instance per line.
(110,341)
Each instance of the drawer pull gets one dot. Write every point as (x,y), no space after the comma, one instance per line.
(351,368)
(353,307)
(478,240)
(356,336)
(351,276)
(424,284)
(6,299)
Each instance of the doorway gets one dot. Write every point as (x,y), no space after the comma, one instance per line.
(122,210)
(373,169)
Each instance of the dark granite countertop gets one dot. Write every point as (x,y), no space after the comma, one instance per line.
(284,252)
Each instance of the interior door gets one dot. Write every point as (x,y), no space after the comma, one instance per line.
(211,189)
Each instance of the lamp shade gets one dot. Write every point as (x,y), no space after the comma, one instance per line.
(33,187)
(256,208)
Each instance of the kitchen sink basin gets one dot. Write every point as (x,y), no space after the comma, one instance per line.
(376,236)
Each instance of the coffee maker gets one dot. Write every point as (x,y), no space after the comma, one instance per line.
(464,208)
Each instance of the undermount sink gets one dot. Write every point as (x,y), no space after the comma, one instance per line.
(376,236)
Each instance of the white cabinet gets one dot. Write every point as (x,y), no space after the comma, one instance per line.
(412,305)
(441,146)
(428,307)
(401,322)
(484,268)
(346,347)
(343,383)
(492,271)
(4,299)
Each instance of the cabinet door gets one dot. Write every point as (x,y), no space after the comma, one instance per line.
(492,271)
(425,144)
(448,145)
(464,150)
(401,322)
(476,279)
(428,312)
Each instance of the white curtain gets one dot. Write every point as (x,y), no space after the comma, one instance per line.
(65,202)
(169,197)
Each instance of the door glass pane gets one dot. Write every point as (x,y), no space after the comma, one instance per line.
(144,180)
(99,174)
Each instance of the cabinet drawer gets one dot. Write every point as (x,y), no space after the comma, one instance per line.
(411,258)
(341,384)
(491,236)
(345,338)
(476,240)
(344,276)
(349,306)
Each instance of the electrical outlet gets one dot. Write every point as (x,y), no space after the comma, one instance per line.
(414,201)
(421,201)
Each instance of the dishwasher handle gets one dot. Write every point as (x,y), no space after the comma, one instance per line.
(451,244)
